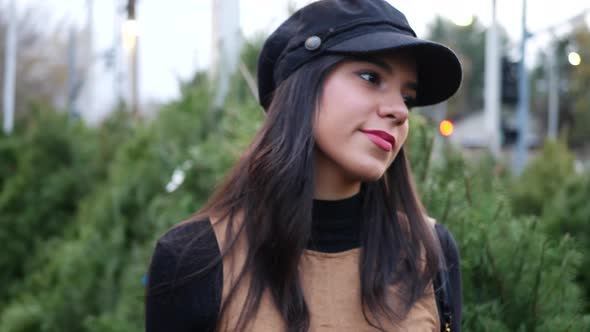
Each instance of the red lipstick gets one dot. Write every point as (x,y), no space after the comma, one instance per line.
(381,138)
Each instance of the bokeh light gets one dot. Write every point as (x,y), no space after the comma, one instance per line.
(446,128)
(574,58)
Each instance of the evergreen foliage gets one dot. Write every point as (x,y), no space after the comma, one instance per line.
(46,167)
(542,179)
(516,277)
(551,190)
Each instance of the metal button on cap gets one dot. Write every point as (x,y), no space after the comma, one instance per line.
(313,43)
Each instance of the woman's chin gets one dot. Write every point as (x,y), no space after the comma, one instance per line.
(369,173)
(372,177)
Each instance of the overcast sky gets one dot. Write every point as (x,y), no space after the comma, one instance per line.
(176,34)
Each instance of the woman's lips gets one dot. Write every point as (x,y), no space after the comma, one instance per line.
(381,138)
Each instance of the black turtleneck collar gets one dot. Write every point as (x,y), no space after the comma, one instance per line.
(336,224)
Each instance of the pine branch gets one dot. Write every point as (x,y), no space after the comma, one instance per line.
(521,264)
(429,143)
(446,210)
(468,190)
(533,318)
(495,274)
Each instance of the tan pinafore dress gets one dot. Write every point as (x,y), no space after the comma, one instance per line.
(331,286)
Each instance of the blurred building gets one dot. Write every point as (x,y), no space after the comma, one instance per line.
(468,132)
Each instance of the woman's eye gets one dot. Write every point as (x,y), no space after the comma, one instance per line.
(370,77)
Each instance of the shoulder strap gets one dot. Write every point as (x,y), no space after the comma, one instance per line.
(442,290)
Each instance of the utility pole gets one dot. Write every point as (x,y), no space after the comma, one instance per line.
(523,100)
(10,69)
(74,82)
(554,86)
(117,54)
(131,31)
(492,85)
(88,63)
(226,47)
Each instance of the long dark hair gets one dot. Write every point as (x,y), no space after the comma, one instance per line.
(271,190)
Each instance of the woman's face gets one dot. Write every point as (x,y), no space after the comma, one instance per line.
(362,120)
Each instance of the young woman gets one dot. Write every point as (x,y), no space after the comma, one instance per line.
(318,227)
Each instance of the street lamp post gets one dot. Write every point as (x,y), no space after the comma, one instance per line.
(553,116)
(523,99)
(492,85)
(227,43)
(131,39)
(10,69)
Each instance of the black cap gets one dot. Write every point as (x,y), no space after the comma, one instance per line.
(354,27)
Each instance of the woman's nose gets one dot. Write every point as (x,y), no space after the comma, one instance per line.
(395,109)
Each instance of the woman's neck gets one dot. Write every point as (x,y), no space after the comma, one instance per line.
(330,184)
(332,193)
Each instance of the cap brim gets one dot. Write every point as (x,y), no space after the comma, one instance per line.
(439,69)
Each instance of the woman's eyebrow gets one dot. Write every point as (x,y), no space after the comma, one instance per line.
(385,66)
(412,85)
(376,61)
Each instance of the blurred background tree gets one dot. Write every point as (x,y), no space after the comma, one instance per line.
(41,65)
(576,113)
(574,100)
